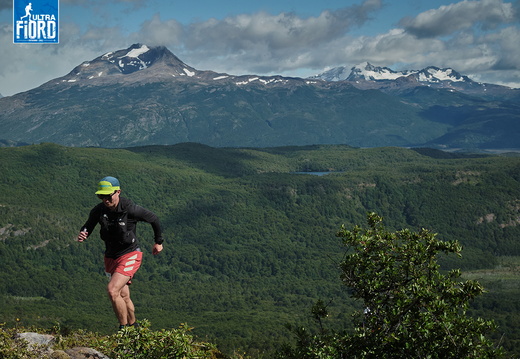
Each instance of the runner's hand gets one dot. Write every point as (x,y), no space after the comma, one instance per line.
(82,236)
(157,248)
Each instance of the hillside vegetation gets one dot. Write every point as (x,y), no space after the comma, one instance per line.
(250,244)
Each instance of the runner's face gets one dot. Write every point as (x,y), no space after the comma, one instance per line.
(111,201)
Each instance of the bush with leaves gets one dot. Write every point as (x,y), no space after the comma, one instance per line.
(141,342)
(411,309)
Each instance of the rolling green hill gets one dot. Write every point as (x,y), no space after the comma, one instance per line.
(250,244)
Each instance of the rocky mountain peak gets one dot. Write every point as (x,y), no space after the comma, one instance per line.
(137,62)
(138,57)
(435,74)
(368,72)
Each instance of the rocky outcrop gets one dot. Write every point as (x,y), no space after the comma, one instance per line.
(42,344)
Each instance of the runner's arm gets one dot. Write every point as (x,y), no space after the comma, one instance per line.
(142,214)
(89,225)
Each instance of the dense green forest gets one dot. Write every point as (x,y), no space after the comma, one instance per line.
(250,242)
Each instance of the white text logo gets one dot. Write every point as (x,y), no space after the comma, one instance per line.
(35,21)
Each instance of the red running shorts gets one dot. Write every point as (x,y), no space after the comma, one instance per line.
(127,264)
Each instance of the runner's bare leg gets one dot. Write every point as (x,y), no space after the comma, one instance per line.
(120,297)
(125,293)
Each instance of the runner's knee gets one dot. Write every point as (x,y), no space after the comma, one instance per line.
(113,292)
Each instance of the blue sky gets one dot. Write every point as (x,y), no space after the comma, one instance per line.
(478,38)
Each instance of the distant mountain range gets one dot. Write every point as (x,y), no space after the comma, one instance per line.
(146,95)
(366,76)
(368,72)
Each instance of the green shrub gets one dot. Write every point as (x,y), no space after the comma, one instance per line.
(141,342)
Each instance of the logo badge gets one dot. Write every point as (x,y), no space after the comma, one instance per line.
(35,21)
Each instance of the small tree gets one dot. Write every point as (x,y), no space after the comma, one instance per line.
(411,309)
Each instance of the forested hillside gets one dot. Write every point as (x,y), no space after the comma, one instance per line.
(250,243)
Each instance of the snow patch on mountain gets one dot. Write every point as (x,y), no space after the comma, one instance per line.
(138,51)
(188,72)
(135,58)
(262,80)
(135,61)
(440,75)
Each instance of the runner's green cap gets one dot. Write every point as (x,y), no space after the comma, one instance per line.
(108,185)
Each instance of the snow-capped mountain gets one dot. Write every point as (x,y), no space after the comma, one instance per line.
(367,76)
(113,66)
(369,72)
(434,74)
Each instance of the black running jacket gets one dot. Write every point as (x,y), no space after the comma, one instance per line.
(118,228)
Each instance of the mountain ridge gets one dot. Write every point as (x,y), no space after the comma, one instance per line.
(366,71)
(146,95)
(139,58)
(367,76)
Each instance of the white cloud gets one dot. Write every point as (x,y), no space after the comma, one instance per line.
(157,32)
(488,14)
(274,32)
(506,43)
